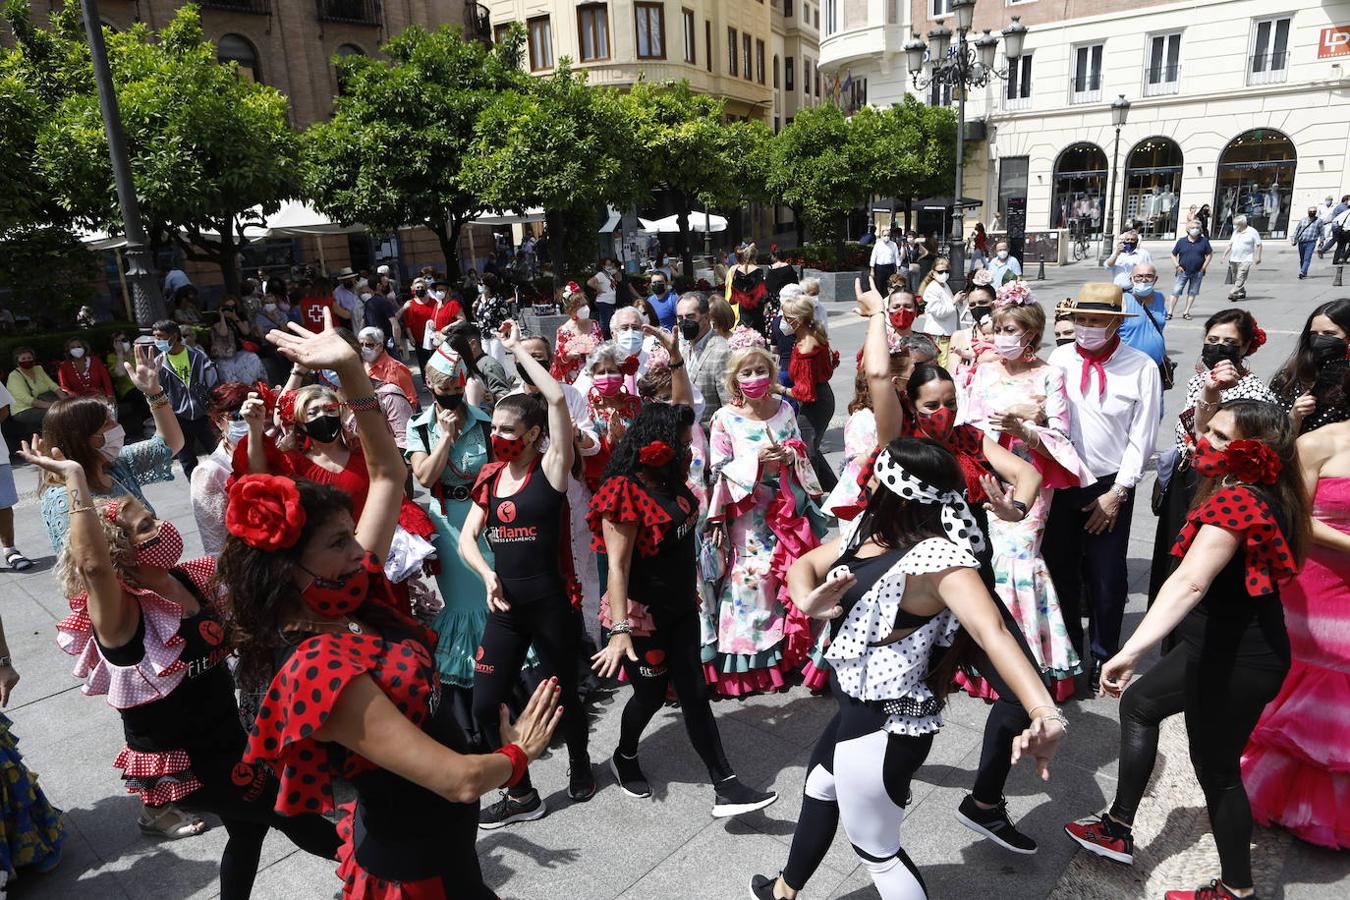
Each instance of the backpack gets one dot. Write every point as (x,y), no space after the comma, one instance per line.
(1338,224)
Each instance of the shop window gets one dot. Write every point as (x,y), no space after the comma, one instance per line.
(1151,198)
(1079,189)
(1256,179)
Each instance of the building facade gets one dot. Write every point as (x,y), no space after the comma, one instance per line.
(1238,105)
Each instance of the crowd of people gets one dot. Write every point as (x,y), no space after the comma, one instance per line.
(410,588)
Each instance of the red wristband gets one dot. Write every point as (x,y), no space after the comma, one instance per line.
(519,763)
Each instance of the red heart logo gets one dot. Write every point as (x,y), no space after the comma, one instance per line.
(241,774)
(506,511)
(479,654)
(655,657)
(683,504)
(211,632)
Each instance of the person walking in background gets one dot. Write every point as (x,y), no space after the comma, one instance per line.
(1127,255)
(977,246)
(1304,236)
(810,366)
(187,375)
(940,315)
(1003,267)
(576,338)
(1114,400)
(885,260)
(747,288)
(603,283)
(83,374)
(1340,232)
(1243,251)
(663,298)
(1190,257)
(382,366)
(1325,214)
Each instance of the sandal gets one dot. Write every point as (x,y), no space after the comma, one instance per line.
(1186,316)
(1169,316)
(16,560)
(169,821)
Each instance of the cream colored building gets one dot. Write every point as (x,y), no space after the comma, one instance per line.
(755,53)
(1240,105)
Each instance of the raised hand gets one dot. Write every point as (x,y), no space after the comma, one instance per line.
(533,730)
(145,372)
(322,350)
(827,599)
(49,459)
(1224,375)
(869,302)
(1000,501)
(664,338)
(254,412)
(509,335)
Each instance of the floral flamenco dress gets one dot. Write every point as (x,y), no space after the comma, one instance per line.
(771,520)
(400,841)
(32,831)
(1297,764)
(1021,579)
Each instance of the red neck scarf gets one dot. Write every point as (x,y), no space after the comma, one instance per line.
(1092,362)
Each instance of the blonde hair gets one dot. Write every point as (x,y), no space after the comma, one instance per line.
(803,310)
(747,254)
(722,315)
(574,302)
(1031,319)
(304,398)
(811,286)
(738,361)
(928,279)
(68,574)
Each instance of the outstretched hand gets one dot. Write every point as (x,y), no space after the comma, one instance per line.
(1040,741)
(314,350)
(869,302)
(144,373)
(509,335)
(1000,500)
(49,459)
(828,597)
(534,728)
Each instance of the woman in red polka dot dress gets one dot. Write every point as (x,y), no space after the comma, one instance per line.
(643,518)
(1245,533)
(147,634)
(346,677)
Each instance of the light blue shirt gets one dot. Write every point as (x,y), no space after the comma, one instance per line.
(1139,332)
(998,267)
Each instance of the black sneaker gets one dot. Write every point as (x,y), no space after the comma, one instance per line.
(995,825)
(761,887)
(512,809)
(629,775)
(580,780)
(733,798)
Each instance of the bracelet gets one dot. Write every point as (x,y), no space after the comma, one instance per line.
(676,365)
(1057,717)
(80,509)
(1054,710)
(519,763)
(369,403)
(162,396)
(1205,405)
(622,627)
(1022,508)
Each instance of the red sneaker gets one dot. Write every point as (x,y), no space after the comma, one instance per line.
(1103,836)
(1215,890)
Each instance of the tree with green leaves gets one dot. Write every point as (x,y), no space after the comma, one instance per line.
(688,150)
(206,146)
(562,145)
(914,149)
(821,167)
(394,153)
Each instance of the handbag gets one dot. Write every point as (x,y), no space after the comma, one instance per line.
(1168,367)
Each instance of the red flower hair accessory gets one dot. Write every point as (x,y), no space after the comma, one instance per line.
(264,512)
(286,408)
(1258,338)
(656,454)
(571,289)
(1251,462)
(269,396)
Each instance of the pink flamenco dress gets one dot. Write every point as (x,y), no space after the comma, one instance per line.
(1297,764)
(769,521)
(1021,578)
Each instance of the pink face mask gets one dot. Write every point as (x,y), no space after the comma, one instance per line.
(754,388)
(607,385)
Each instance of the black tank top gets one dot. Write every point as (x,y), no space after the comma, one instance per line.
(525,532)
(666,579)
(868,572)
(199,716)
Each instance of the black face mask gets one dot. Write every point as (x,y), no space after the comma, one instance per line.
(1060,342)
(449,401)
(978,313)
(1327,347)
(324,429)
(525,375)
(688,329)
(1213,354)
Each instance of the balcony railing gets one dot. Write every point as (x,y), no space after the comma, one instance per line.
(260,7)
(1085,88)
(1268,68)
(1159,80)
(360,12)
(1013,104)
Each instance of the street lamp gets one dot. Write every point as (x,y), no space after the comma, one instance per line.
(1120,111)
(146,299)
(960,66)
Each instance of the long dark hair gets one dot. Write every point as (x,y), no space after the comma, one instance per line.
(654,422)
(261,592)
(1300,371)
(1287,498)
(895,523)
(69,425)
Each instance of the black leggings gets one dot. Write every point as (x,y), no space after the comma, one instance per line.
(669,656)
(814,421)
(246,812)
(551,626)
(1222,699)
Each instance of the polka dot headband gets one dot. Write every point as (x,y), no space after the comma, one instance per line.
(957,521)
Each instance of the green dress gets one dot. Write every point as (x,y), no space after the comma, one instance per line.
(459,626)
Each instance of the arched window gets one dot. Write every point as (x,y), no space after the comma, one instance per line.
(234,48)
(350,50)
(1080,188)
(1256,179)
(1152,192)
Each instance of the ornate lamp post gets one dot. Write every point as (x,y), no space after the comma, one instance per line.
(1120,111)
(960,66)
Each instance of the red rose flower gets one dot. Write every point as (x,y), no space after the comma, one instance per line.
(264,511)
(1258,339)
(656,454)
(1253,462)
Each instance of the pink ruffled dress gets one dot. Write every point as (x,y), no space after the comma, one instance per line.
(1297,764)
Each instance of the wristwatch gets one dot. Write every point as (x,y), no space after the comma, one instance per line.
(1122,493)
(1020,507)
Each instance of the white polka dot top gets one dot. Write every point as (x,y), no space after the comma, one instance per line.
(894,674)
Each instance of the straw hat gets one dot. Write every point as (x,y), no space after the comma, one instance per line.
(1100,298)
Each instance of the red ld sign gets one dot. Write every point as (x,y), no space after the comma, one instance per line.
(1334,41)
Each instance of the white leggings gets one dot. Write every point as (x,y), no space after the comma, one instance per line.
(866,779)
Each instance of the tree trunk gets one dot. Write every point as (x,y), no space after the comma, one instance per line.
(452,270)
(440,228)
(799,226)
(839,252)
(229,268)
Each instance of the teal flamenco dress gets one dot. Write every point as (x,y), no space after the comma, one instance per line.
(31,830)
